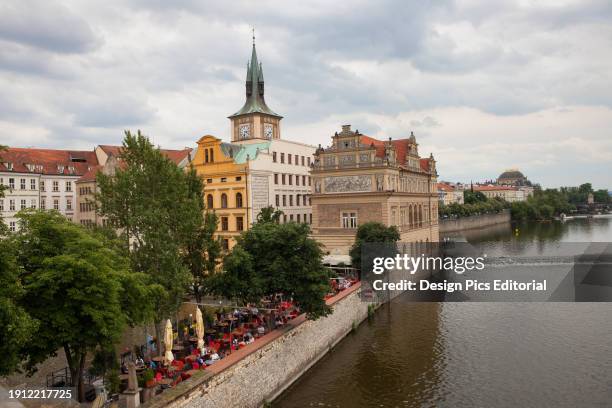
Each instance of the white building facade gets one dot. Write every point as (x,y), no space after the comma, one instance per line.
(280,176)
(41,178)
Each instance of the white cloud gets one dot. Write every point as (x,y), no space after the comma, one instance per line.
(484,85)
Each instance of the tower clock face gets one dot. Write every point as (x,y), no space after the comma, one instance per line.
(245,131)
(268,131)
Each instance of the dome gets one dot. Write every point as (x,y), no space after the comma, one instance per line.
(511,174)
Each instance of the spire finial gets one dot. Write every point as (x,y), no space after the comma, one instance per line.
(253,29)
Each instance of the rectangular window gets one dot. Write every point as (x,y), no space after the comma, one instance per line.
(23,204)
(309,180)
(224,224)
(273,157)
(22,184)
(69,186)
(290,200)
(12,226)
(282,157)
(43,203)
(239,178)
(33,203)
(239,224)
(68,204)
(11,205)
(226,244)
(303,158)
(284,218)
(209,181)
(284,200)
(349,220)
(42,185)
(297,200)
(303,180)
(32,184)
(277,200)
(56,186)
(283,179)
(298,218)
(223,179)
(56,204)
(308,158)
(290,217)
(310,218)
(275,178)
(2,205)
(12,183)
(290,179)
(288,158)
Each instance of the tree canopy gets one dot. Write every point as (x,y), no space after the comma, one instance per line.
(371,232)
(150,201)
(77,287)
(273,258)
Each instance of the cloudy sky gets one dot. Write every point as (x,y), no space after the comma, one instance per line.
(485,85)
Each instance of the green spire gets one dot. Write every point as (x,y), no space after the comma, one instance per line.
(255,102)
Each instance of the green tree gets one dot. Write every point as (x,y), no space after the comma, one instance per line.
(275,258)
(472,197)
(201,250)
(601,196)
(150,201)
(368,233)
(269,214)
(79,288)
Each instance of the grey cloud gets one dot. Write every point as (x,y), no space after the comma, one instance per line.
(47,25)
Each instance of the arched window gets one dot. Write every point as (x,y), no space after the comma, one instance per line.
(209,202)
(238,200)
(223,200)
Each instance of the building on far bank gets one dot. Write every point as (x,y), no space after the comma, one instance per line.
(508,193)
(450,193)
(257,169)
(41,178)
(359,179)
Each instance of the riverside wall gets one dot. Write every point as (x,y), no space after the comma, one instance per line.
(473,222)
(258,373)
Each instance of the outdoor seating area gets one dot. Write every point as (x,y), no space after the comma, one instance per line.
(196,344)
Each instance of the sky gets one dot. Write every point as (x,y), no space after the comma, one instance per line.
(484,85)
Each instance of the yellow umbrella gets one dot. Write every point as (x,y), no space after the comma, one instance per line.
(168,342)
(200,328)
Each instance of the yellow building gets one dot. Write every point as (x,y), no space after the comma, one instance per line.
(225,191)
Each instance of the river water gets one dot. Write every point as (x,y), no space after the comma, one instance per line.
(475,354)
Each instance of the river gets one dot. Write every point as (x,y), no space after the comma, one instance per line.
(475,354)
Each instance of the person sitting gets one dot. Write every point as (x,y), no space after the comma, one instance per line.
(278,322)
(261,330)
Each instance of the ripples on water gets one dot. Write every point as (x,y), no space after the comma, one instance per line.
(474,354)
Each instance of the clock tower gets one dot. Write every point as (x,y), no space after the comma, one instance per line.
(255,121)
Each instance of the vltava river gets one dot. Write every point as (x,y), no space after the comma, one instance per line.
(475,354)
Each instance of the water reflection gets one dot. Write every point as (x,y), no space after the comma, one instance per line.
(475,354)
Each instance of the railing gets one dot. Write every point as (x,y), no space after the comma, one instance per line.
(59,378)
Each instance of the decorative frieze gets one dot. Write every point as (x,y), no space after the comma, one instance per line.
(342,184)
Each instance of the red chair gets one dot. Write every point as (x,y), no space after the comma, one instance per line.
(195,365)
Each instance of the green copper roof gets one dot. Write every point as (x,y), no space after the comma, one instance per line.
(255,102)
(250,150)
(240,152)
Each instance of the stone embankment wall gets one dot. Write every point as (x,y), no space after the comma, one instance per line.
(473,222)
(261,371)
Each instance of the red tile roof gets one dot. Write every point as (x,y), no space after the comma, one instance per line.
(175,155)
(493,188)
(91,174)
(402,148)
(48,161)
(445,187)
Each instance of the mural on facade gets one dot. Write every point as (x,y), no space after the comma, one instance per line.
(348,183)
